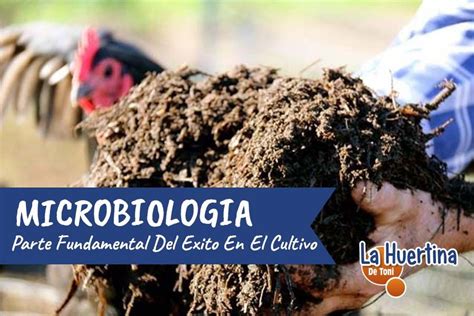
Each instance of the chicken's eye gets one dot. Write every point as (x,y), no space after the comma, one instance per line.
(108,71)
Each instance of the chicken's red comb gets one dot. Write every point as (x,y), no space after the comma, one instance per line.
(87,48)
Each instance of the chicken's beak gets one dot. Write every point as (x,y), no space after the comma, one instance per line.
(80,95)
(80,91)
(84,91)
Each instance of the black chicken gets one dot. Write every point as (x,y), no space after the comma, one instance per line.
(49,66)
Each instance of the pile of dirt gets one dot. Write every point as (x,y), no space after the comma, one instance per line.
(173,127)
(334,132)
(254,128)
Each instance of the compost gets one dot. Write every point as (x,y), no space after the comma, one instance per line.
(251,127)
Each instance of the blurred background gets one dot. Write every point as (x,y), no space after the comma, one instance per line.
(213,36)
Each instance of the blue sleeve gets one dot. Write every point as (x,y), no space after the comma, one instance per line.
(438,44)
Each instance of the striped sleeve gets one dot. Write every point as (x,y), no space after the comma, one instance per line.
(437,44)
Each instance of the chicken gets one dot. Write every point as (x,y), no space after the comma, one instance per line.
(48,66)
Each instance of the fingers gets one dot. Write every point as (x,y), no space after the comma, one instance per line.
(336,303)
(351,292)
(406,216)
(387,204)
(324,283)
(353,282)
(378,200)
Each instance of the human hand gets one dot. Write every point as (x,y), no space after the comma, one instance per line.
(409,218)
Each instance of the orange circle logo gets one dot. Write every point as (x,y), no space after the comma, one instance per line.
(395,287)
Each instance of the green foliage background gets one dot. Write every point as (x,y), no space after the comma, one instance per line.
(139,13)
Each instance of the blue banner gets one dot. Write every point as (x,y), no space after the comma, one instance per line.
(161,225)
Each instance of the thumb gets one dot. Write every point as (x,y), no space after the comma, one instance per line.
(386,203)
